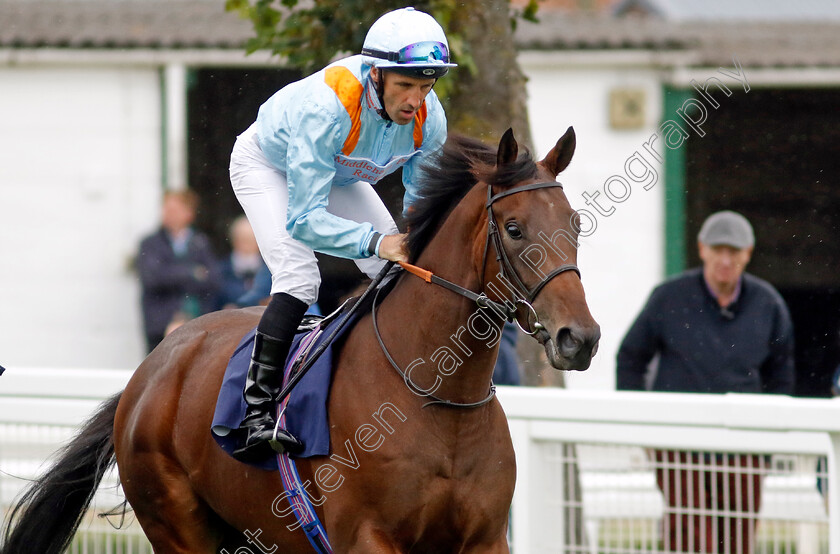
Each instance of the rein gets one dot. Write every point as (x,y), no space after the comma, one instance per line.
(508,308)
(525,295)
(412,386)
(522,294)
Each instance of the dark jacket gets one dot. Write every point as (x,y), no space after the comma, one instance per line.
(507,371)
(235,285)
(171,283)
(746,347)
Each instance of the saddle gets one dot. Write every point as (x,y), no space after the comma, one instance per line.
(307,378)
(314,325)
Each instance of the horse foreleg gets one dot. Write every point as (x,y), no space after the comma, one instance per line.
(372,540)
(369,539)
(501,547)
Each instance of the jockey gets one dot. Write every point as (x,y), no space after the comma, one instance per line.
(303,173)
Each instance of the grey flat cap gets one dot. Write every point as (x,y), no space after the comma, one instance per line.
(727,228)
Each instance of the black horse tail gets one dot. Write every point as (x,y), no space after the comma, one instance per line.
(48,513)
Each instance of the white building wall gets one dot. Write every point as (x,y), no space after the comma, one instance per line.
(622,259)
(79,185)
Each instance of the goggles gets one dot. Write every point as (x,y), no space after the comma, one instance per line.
(419,53)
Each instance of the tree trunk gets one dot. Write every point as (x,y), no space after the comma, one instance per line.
(484,104)
(492,97)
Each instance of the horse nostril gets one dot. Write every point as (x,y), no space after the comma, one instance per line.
(568,342)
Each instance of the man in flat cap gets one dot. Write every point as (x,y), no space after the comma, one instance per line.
(713,329)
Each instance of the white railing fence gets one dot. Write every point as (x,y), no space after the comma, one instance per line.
(597,472)
(40,410)
(588,464)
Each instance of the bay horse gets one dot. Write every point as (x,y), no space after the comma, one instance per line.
(421,458)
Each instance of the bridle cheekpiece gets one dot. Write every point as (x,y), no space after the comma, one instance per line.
(523,295)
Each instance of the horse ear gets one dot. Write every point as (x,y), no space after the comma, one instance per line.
(508,149)
(558,159)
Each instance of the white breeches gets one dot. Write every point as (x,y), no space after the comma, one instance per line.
(263,193)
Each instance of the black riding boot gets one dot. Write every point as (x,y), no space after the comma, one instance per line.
(265,379)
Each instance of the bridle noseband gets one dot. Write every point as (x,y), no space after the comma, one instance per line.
(508,308)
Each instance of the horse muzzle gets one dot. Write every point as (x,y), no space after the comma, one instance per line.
(571,348)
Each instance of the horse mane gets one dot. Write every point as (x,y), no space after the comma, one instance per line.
(448,176)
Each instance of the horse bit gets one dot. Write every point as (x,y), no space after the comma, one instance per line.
(522,295)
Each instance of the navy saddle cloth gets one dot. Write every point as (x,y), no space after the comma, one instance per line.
(306,412)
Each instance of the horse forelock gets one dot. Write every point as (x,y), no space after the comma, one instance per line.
(462,163)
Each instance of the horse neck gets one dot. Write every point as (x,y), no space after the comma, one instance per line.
(457,342)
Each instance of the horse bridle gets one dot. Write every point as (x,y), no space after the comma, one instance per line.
(522,294)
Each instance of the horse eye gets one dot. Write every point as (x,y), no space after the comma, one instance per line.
(513,230)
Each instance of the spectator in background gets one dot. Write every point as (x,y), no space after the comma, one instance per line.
(259,293)
(507,370)
(239,270)
(714,329)
(178,271)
